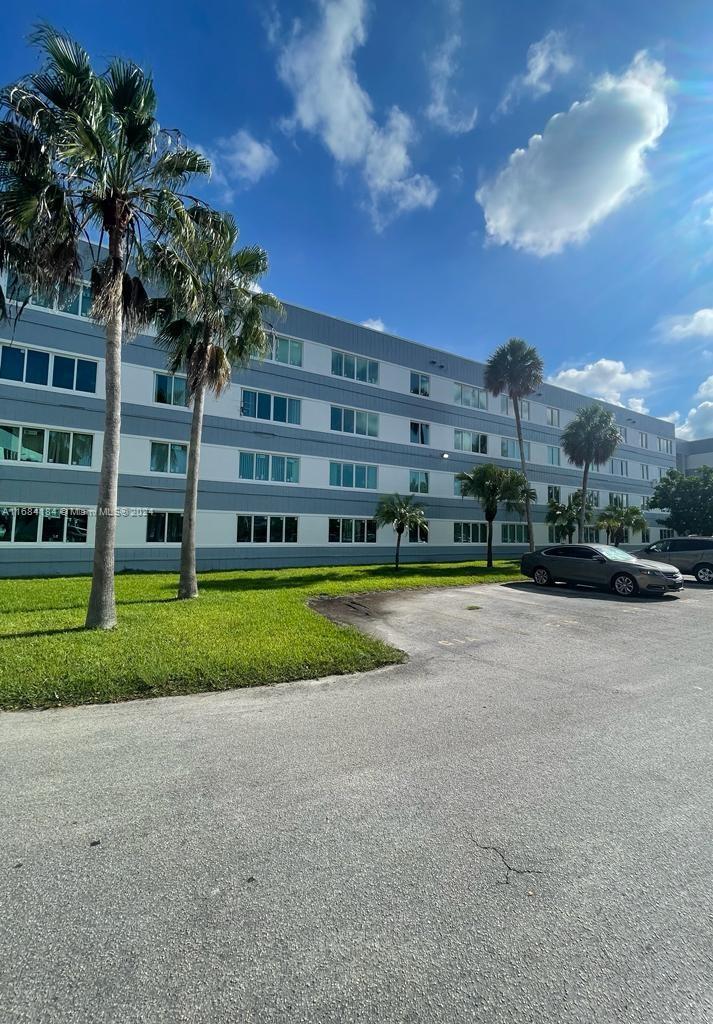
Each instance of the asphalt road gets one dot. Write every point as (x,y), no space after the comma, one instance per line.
(515,827)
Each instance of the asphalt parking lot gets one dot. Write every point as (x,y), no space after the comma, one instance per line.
(512,827)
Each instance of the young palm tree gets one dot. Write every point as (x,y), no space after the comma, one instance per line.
(516,369)
(590,439)
(82,157)
(399,511)
(493,486)
(616,520)
(565,516)
(211,320)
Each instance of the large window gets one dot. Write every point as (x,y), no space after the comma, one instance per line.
(353,474)
(593,497)
(644,470)
(665,445)
(46,447)
(43,525)
(513,533)
(418,481)
(168,458)
(665,534)
(619,467)
(164,527)
(619,499)
(552,416)
(510,449)
(418,534)
(286,350)
(420,433)
(470,533)
(263,405)
(263,466)
(267,529)
(554,493)
(591,535)
(420,384)
(554,455)
(354,421)
(643,439)
(345,364)
(170,389)
(470,441)
(470,397)
(352,531)
(33,366)
(77,301)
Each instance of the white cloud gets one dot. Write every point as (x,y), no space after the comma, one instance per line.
(587,162)
(239,161)
(698,423)
(441,68)
(608,379)
(637,405)
(375,323)
(546,59)
(317,66)
(706,388)
(695,325)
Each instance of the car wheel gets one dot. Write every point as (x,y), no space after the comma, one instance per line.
(542,577)
(704,573)
(625,585)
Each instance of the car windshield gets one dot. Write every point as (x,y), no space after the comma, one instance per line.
(616,554)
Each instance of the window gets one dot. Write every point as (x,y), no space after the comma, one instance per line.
(418,534)
(665,445)
(262,466)
(554,493)
(514,533)
(420,433)
(49,447)
(354,421)
(645,536)
(660,472)
(43,525)
(618,499)
(505,405)
(79,301)
(555,534)
(31,366)
(457,487)
(263,405)
(553,455)
(345,364)
(352,474)
(286,350)
(266,530)
(420,384)
(470,533)
(644,470)
(164,527)
(170,389)
(470,441)
(510,449)
(470,397)
(665,534)
(168,458)
(643,439)
(525,408)
(418,481)
(619,467)
(594,497)
(552,416)
(591,535)
(352,531)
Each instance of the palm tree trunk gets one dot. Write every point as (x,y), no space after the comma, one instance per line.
(583,509)
(101,611)
(521,443)
(489,551)
(188,581)
(398,549)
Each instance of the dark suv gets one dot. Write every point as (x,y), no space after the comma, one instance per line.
(693,556)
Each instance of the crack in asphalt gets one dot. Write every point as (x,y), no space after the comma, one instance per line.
(509,868)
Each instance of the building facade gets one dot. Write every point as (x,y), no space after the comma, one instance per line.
(693,455)
(295,454)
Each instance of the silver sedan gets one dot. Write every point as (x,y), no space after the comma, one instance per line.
(600,565)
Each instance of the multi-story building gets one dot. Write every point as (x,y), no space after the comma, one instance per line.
(295,454)
(693,455)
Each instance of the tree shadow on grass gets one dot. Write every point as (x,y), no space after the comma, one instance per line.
(41,632)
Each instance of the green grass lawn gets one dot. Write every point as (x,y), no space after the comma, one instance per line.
(245,629)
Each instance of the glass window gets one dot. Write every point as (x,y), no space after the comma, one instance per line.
(156,528)
(77,525)
(58,447)
(418,534)
(334,531)
(335,420)
(264,406)
(277,529)
(469,441)
(290,529)
(37,367)
(360,476)
(277,468)
(525,409)
(159,457)
(348,474)
(63,372)
(9,443)
(12,363)
(6,519)
(553,417)
(179,458)
(505,405)
(359,531)
(554,493)
(509,448)
(246,466)
(294,411)
(279,407)
(180,391)
(70,302)
(347,531)
(420,433)
(644,470)
(162,389)
(553,455)
(335,474)
(52,527)
(174,527)
(82,446)
(418,481)
(262,466)
(337,364)
(260,529)
(643,439)
(33,445)
(244,529)
(420,384)
(470,397)
(26,526)
(86,376)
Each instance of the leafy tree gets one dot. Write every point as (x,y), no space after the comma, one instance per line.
(687,499)
(516,369)
(616,520)
(400,512)
(493,486)
(566,516)
(82,157)
(211,320)
(589,440)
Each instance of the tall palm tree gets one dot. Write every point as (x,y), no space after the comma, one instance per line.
(82,157)
(616,520)
(589,440)
(400,512)
(516,369)
(493,486)
(211,320)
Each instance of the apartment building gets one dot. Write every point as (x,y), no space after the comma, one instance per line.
(693,455)
(295,454)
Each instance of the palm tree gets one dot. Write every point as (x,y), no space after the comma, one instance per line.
(616,520)
(566,516)
(82,157)
(516,369)
(399,511)
(590,439)
(493,486)
(211,320)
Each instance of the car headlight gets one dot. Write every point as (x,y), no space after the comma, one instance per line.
(649,572)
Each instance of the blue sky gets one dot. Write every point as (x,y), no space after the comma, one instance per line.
(460,172)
